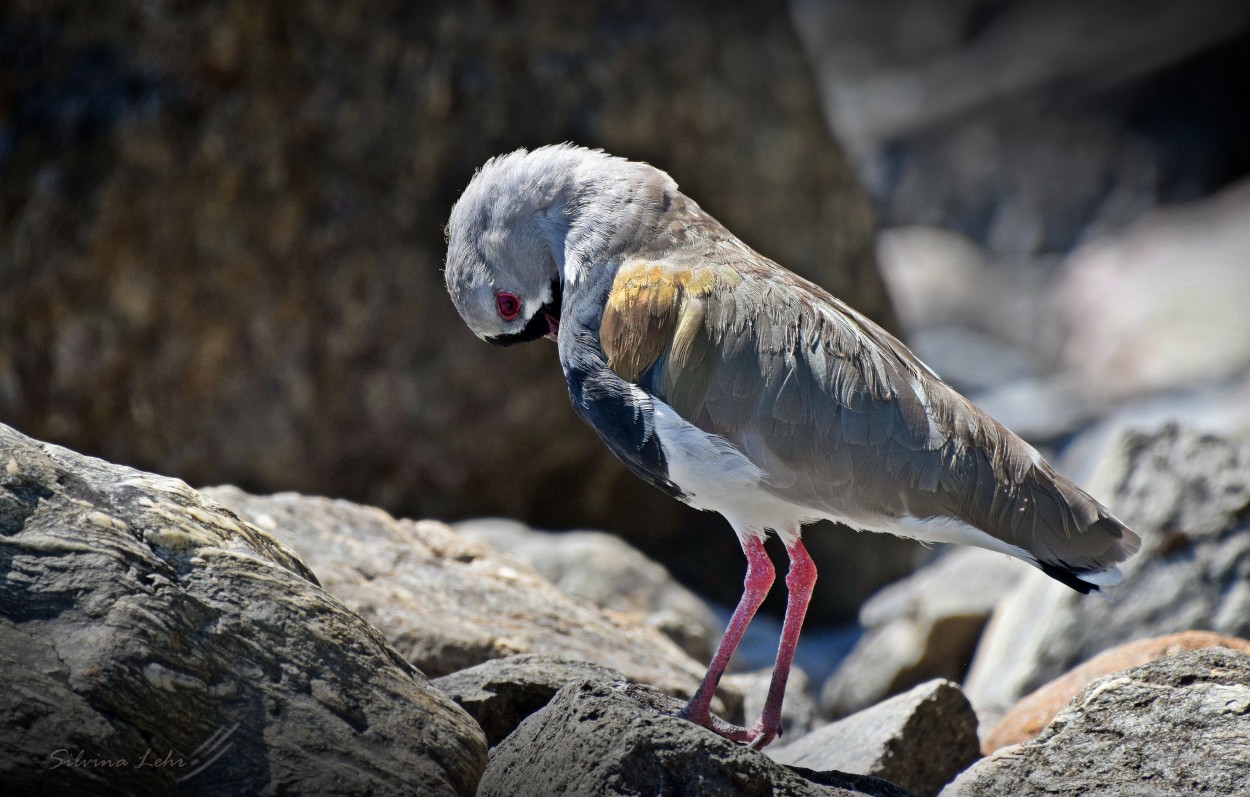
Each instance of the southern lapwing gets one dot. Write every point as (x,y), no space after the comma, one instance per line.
(736,386)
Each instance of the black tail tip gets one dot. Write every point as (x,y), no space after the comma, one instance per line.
(1068,577)
(1076,579)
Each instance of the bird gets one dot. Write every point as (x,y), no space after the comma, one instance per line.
(738,387)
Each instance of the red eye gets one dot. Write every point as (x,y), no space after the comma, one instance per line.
(509,305)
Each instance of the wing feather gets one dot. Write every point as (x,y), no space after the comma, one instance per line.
(839,415)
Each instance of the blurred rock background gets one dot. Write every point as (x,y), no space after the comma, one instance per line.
(1062,190)
(222,228)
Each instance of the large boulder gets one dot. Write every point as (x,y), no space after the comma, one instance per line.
(1187,495)
(447,603)
(224,238)
(1026,125)
(1179,725)
(999,137)
(609,572)
(151,641)
(923,627)
(605,739)
(920,740)
(1113,291)
(500,693)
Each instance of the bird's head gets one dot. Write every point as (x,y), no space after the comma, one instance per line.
(530,221)
(505,246)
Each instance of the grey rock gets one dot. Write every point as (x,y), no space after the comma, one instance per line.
(903,65)
(621,739)
(970,320)
(500,693)
(448,603)
(798,711)
(1175,726)
(970,360)
(1049,407)
(1185,264)
(935,276)
(1020,125)
(1187,494)
(923,627)
(1059,406)
(141,621)
(920,740)
(610,573)
(689,632)
(819,652)
(1220,409)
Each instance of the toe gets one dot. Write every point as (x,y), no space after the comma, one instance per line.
(763,734)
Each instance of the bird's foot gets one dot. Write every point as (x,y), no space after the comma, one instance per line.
(757,737)
(762,734)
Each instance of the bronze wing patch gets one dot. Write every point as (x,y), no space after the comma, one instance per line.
(654,310)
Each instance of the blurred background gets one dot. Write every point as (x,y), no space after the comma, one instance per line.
(222,228)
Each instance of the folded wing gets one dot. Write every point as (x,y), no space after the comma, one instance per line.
(840,415)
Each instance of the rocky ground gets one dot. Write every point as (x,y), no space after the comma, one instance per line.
(156,638)
(1060,192)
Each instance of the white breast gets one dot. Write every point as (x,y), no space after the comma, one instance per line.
(716,476)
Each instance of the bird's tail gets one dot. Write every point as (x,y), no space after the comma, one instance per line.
(1084,543)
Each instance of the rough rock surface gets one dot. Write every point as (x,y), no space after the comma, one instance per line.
(1222,409)
(500,693)
(920,740)
(609,572)
(1174,726)
(140,621)
(1034,712)
(224,236)
(1188,496)
(620,739)
(923,627)
(447,603)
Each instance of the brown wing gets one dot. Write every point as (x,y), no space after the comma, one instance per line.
(838,413)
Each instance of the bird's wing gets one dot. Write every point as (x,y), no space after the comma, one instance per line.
(839,415)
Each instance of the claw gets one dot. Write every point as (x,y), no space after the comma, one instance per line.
(757,737)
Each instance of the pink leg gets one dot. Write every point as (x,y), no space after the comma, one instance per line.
(799,582)
(759,580)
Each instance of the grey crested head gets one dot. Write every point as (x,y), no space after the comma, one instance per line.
(530,219)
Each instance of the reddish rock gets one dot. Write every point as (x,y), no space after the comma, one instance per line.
(1186,494)
(1034,712)
(1174,726)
